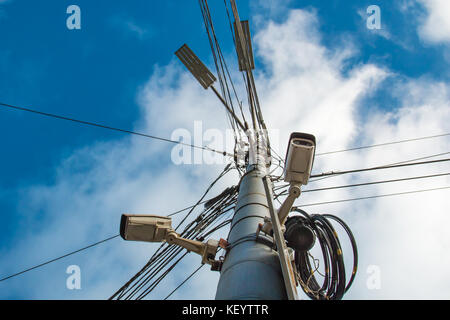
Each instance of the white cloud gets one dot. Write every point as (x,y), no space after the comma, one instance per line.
(97,184)
(139,31)
(129,26)
(404,235)
(273,10)
(307,79)
(305,86)
(436,26)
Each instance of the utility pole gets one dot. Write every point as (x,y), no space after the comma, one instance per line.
(259,262)
(251,269)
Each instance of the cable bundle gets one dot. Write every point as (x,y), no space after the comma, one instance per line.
(334,285)
(166,257)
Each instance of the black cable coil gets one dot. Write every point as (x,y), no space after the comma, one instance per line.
(301,233)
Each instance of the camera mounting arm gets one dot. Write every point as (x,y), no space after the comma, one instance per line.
(283,211)
(151,228)
(294,193)
(206,249)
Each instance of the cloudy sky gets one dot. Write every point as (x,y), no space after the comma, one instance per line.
(319,69)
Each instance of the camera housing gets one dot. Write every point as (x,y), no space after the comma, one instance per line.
(299,158)
(149,228)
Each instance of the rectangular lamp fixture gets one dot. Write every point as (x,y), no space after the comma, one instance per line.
(195,66)
(248,43)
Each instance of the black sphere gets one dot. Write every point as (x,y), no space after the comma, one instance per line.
(299,237)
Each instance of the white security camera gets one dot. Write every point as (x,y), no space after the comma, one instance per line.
(147,228)
(297,170)
(299,158)
(150,228)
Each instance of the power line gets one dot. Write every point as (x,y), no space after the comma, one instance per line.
(367,183)
(378,182)
(61,257)
(184,281)
(98,125)
(187,208)
(313,204)
(161,277)
(158,280)
(370,197)
(90,246)
(391,164)
(378,168)
(384,144)
(145,280)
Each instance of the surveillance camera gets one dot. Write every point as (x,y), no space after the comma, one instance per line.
(299,158)
(147,228)
(151,228)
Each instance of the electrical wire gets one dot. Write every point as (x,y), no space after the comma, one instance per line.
(378,182)
(334,284)
(161,263)
(150,288)
(98,125)
(187,208)
(92,245)
(391,164)
(371,197)
(228,221)
(225,171)
(160,278)
(378,168)
(247,74)
(251,90)
(332,175)
(219,61)
(384,144)
(234,42)
(59,258)
(184,281)
(194,230)
(215,213)
(368,183)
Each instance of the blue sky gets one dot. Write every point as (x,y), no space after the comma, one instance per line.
(120,70)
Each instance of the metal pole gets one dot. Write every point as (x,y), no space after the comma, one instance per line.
(251,270)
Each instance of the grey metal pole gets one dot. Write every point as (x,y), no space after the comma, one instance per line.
(251,270)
